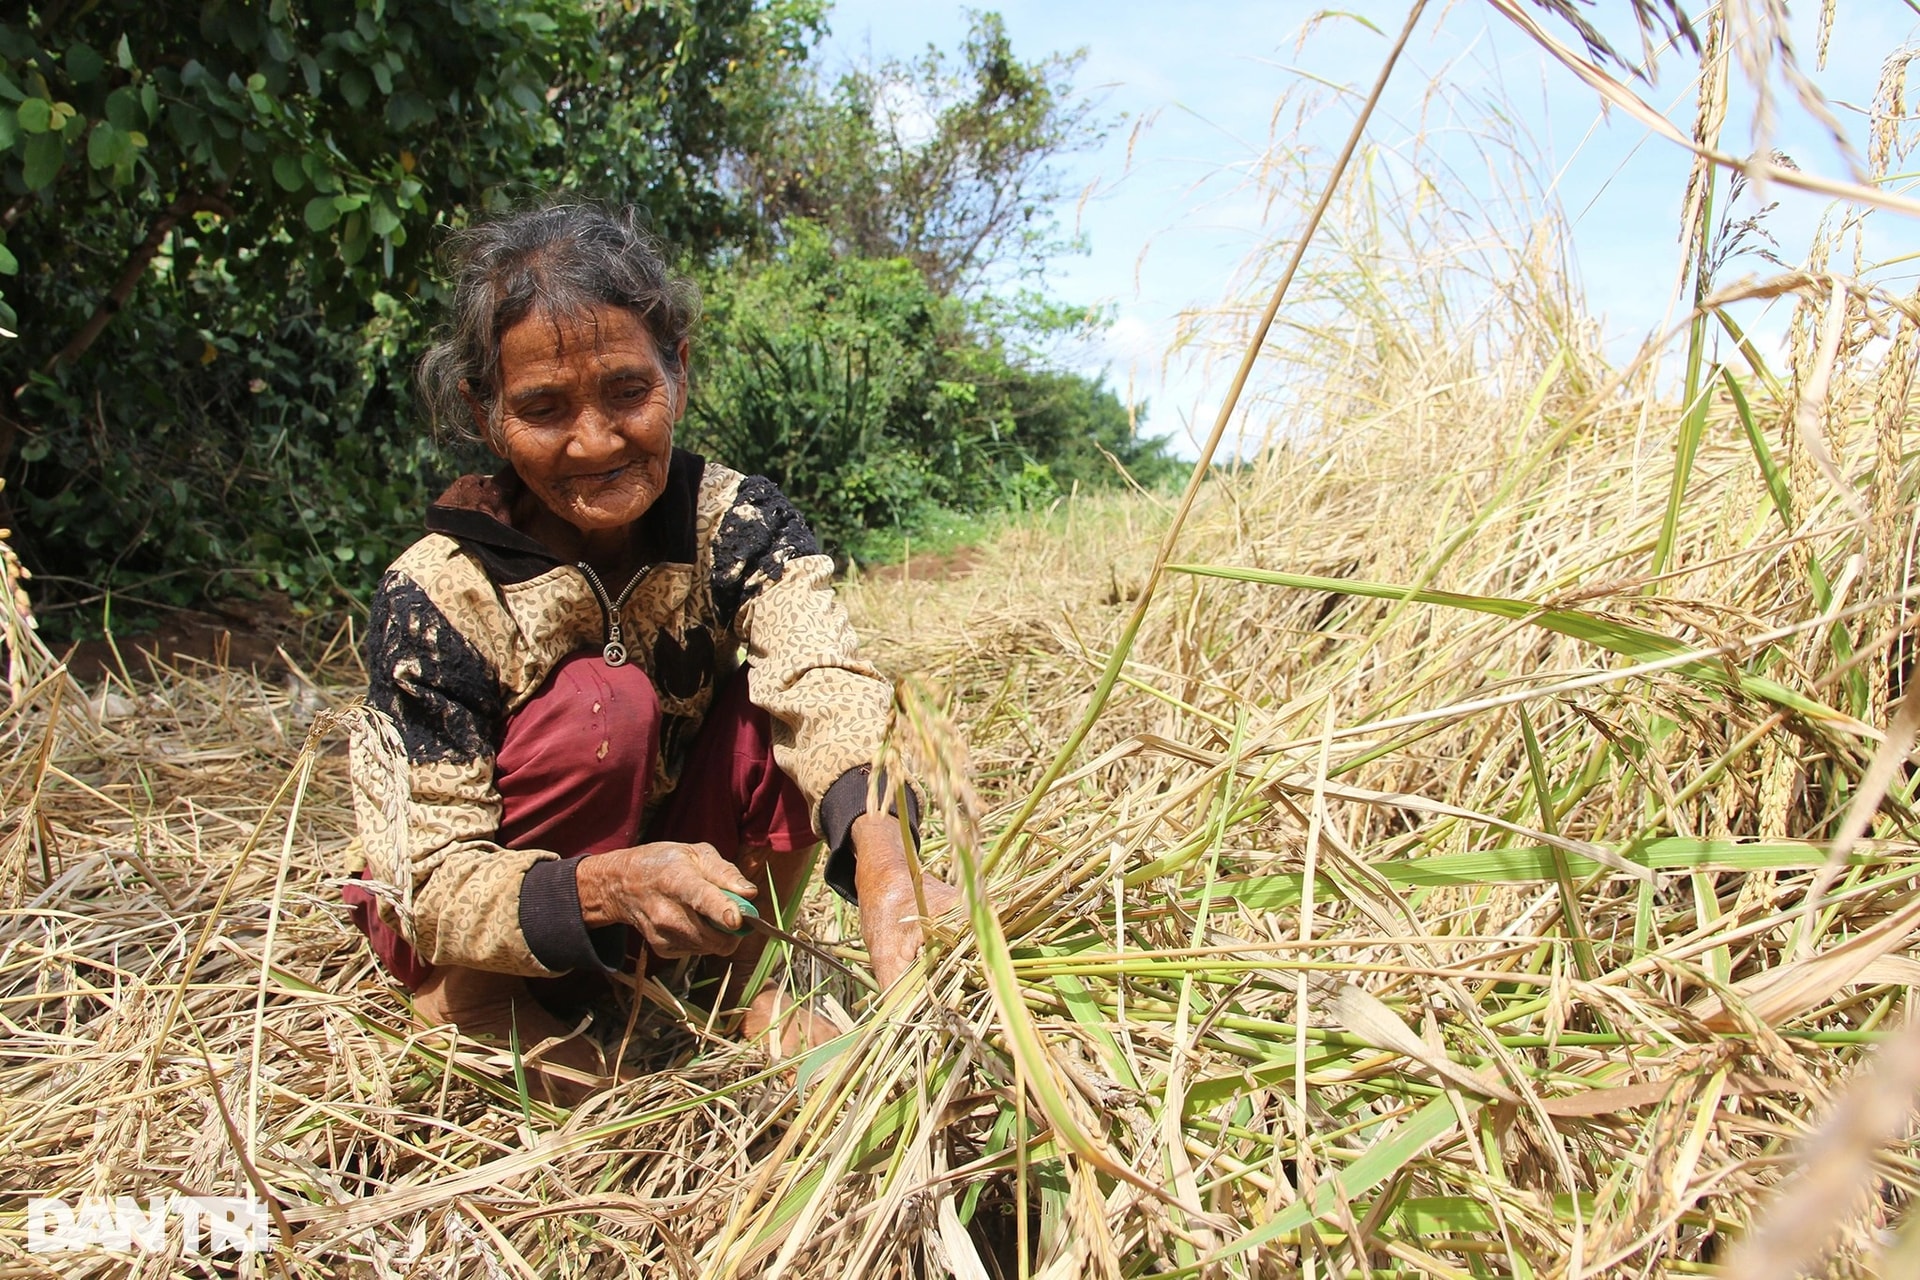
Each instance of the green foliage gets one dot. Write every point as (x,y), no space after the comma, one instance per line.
(216,220)
(675,93)
(1083,431)
(284,461)
(820,373)
(869,397)
(321,139)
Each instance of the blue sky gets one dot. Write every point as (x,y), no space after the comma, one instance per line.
(1171,217)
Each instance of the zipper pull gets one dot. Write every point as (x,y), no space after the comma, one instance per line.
(615,652)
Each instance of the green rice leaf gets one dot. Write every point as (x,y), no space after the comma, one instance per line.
(1381,1161)
(1535,864)
(1635,643)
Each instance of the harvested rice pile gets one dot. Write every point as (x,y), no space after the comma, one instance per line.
(1294,974)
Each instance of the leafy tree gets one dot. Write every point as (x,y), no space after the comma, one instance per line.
(822,373)
(314,141)
(1083,431)
(873,361)
(676,94)
(216,218)
(949,163)
(326,138)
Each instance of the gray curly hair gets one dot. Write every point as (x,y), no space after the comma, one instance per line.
(555,260)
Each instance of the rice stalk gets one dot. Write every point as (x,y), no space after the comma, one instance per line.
(1758,168)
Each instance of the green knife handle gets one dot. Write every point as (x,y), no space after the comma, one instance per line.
(746,909)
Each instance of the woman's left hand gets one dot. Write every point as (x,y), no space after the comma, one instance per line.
(890,919)
(674,894)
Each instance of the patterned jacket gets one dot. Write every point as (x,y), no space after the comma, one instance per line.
(470,620)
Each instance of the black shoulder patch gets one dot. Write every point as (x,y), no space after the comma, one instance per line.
(755,541)
(428,677)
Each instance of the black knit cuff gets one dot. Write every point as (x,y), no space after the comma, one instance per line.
(556,932)
(846,800)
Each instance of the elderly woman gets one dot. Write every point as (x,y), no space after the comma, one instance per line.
(566,749)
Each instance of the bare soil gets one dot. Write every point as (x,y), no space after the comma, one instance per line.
(958,563)
(256,635)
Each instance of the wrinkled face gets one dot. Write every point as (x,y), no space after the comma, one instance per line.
(586,415)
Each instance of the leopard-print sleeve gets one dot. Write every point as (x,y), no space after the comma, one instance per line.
(424,790)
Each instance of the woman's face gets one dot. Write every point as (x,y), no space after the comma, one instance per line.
(587,411)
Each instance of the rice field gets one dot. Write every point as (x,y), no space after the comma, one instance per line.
(1471,835)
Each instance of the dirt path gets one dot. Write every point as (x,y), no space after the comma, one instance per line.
(957,563)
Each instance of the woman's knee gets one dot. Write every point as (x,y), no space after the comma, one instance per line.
(576,761)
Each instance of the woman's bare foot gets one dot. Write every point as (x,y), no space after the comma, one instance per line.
(496,1007)
(800,1028)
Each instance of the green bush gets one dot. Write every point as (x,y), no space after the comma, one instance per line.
(869,397)
(226,448)
(215,247)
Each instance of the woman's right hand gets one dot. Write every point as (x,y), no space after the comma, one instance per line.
(670,892)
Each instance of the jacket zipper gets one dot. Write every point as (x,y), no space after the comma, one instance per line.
(615,652)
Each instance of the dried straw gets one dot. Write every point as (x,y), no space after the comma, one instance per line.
(1442,891)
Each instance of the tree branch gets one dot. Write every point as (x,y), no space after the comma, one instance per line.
(136,266)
